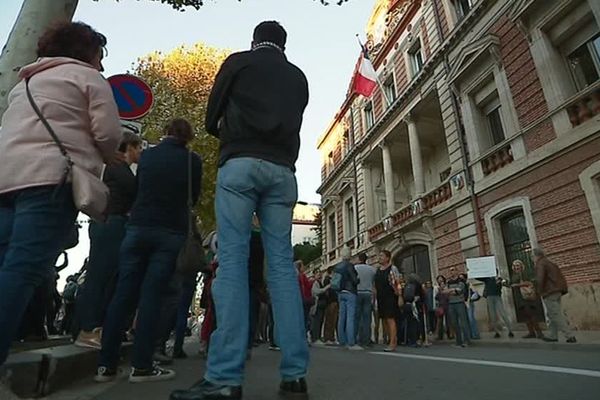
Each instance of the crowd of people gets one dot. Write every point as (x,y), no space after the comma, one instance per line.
(61,138)
(415,313)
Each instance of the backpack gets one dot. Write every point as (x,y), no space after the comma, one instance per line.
(409,293)
(336,281)
(70,292)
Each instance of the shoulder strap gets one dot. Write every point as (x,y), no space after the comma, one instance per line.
(190,203)
(62,148)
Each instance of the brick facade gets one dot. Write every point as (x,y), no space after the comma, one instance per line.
(447,242)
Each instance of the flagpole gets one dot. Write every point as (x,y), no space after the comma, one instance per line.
(387,99)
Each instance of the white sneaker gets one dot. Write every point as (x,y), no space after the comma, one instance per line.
(151,375)
(318,343)
(355,347)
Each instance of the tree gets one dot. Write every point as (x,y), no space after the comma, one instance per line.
(35,16)
(307,252)
(181,82)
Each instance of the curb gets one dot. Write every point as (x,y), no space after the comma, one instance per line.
(36,373)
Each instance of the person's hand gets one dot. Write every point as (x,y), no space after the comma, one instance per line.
(115,158)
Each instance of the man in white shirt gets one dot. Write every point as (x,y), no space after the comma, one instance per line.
(364,306)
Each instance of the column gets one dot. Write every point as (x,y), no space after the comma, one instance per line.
(388,177)
(415,155)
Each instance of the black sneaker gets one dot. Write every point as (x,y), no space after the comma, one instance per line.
(205,390)
(161,358)
(497,336)
(297,388)
(179,354)
(105,374)
(511,335)
(154,374)
(572,340)
(547,339)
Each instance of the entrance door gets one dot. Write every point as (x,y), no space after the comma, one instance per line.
(415,260)
(517,246)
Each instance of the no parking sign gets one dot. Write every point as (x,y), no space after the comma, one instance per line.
(133,96)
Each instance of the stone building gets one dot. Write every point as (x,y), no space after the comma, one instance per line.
(482,139)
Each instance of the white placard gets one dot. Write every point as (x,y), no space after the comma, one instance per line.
(481,267)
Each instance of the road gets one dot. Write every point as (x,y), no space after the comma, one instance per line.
(436,373)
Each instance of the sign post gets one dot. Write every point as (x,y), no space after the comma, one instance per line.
(133,96)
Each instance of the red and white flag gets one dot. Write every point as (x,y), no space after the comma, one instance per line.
(365,77)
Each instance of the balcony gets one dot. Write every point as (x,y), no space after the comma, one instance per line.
(586,106)
(412,211)
(499,158)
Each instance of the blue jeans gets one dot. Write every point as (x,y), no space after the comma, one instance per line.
(364,310)
(101,272)
(460,322)
(245,185)
(34,226)
(473,321)
(146,266)
(346,328)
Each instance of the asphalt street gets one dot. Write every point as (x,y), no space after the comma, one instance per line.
(437,373)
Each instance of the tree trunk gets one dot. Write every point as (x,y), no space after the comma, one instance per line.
(20,49)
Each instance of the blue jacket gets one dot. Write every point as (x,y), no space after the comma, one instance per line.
(349,276)
(161,199)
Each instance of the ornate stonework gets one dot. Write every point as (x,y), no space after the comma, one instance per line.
(386,16)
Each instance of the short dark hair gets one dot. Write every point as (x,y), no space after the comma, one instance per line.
(129,139)
(71,39)
(387,253)
(440,276)
(181,129)
(362,257)
(270,31)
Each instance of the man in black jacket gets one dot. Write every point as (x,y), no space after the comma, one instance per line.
(255,109)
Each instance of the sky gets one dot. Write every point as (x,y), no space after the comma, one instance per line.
(321,41)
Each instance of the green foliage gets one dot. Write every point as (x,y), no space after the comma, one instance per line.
(181,82)
(307,252)
(180,5)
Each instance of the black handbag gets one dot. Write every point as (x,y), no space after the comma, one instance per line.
(192,257)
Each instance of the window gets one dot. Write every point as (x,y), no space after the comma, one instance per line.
(416,59)
(445,174)
(332,231)
(491,129)
(369,116)
(330,162)
(494,122)
(584,63)
(349,223)
(389,89)
(462,8)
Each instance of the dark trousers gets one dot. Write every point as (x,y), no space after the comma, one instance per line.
(146,266)
(171,298)
(253,314)
(34,225)
(187,296)
(460,322)
(317,323)
(411,325)
(364,310)
(101,272)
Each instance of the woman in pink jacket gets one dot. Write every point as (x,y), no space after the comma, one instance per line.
(36,210)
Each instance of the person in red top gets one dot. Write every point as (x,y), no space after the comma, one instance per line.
(306,291)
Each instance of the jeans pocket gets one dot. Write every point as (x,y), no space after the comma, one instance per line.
(236,175)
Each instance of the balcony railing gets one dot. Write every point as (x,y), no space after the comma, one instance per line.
(411,211)
(584,108)
(496,160)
